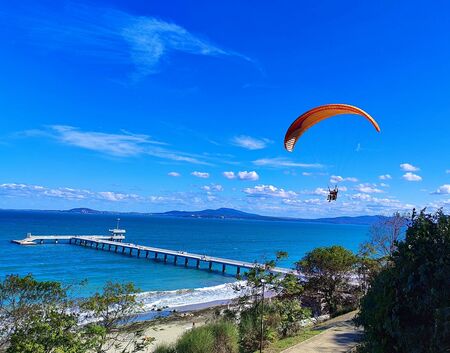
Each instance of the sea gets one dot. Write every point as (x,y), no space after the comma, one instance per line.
(161,285)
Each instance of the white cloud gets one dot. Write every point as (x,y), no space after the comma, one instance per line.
(320,191)
(443,189)
(250,143)
(120,38)
(411,177)
(406,167)
(281,162)
(212,187)
(26,190)
(244,175)
(385,177)
(229,175)
(269,191)
(123,144)
(174,174)
(334,179)
(202,175)
(368,189)
(253,176)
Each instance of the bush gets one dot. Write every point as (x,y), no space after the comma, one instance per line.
(250,327)
(220,337)
(407,308)
(165,349)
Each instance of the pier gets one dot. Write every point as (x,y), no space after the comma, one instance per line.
(114,243)
(176,257)
(116,235)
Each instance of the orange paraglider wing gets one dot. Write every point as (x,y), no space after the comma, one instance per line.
(317,114)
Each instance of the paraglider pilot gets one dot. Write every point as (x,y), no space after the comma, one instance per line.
(332,194)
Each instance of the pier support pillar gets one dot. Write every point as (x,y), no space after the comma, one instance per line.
(116,248)
(146,254)
(103,246)
(238,271)
(223,268)
(109,247)
(139,253)
(70,241)
(175,259)
(198,263)
(186,260)
(165,258)
(156,256)
(210,266)
(96,246)
(123,249)
(131,251)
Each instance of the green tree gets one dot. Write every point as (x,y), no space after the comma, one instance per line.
(327,272)
(281,313)
(407,308)
(56,332)
(111,311)
(35,316)
(39,316)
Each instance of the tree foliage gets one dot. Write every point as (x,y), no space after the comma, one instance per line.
(407,308)
(327,273)
(39,317)
(281,312)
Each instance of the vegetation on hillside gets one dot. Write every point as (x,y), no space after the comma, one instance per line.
(407,306)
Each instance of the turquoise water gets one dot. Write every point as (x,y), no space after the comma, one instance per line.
(234,239)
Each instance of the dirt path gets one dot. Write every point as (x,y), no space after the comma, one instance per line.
(340,336)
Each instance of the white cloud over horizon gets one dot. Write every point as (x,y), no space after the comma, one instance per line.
(411,177)
(252,176)
(27,190)
(385,177)
(406,167)
(201,175)
(368,189)
(243,175)
(442,190)
(334,179)
(174,174)
(268,191)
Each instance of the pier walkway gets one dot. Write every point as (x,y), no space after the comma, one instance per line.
(115,235)
(174,256)
(114,242)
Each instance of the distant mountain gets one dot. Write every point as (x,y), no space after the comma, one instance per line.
(229,213)
(83,210)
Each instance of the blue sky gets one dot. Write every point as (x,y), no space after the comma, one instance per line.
(152,106)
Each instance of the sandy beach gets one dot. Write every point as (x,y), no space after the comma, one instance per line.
(168,329)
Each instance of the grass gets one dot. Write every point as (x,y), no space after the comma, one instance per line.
(287,342)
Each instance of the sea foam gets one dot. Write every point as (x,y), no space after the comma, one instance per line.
(155,300)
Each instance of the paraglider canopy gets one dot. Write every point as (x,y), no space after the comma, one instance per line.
(317,114)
